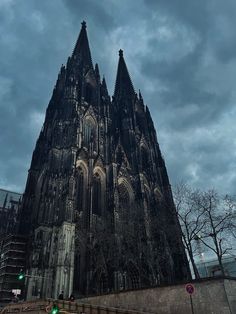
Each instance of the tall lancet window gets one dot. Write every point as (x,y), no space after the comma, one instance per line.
(80,189)
(89,132)
(147,196)
(123,196)
(88,93)
(97,195)
(144,158)
(124,201)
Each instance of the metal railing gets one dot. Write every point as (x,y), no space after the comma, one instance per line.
(65,307)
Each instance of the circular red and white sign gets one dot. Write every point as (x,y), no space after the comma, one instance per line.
(48,308)
(189,288)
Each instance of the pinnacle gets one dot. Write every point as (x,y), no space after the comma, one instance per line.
(104,81)
(104,86)
(140,95)
(97,72)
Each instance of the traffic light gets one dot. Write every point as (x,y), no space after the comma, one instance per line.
(55,309)
(21,275)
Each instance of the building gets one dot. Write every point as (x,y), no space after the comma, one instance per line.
(210,267)
(9,211)
(12,260)
(12,246)
(98,208)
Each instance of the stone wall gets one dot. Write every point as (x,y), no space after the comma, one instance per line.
(211,296)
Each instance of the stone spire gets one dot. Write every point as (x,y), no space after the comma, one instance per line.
(97,74)
(82,51)
(140,95)
(104,86)
(123,87)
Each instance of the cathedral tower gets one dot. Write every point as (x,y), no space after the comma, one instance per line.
(98,209)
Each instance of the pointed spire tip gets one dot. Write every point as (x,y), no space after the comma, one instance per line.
(81,51)
(139,93)
(123,85)
(121,53)
(83,24)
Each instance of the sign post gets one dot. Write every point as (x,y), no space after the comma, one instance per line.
(190,290)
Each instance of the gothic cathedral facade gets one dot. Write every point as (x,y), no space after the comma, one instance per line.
(98,210)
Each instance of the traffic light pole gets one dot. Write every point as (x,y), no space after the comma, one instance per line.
(24,278)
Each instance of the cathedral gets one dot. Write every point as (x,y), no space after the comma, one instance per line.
(98,211)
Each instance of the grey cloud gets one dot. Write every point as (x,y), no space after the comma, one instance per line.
(194,13)
(97,13)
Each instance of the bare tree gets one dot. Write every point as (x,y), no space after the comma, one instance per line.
(207,217)
(190,217)
(219,218)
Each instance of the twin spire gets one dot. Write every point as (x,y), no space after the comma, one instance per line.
(123,86)
(81,52)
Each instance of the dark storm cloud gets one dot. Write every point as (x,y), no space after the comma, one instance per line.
(97,12)
(194,91)
(28,71)
(182,54)
(194,13)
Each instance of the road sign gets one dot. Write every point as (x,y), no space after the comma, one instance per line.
(48,308)
(189,288)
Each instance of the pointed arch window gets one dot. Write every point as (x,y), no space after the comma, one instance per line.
(124,201)
(144,158)
(97,195)
(124,198)
(158,195)
(147,196)
(88,93)
(133,277)
(103,283)
(80,189)
(89,132)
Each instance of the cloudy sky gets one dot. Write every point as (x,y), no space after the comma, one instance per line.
(180,53)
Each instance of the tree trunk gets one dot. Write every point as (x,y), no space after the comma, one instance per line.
(221,265)
(195,270)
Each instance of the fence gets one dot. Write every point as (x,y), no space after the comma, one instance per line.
(65,307)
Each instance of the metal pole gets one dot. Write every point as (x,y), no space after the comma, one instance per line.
(191,302)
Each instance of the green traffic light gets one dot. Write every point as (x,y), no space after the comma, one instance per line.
(21,276)
(55,309)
